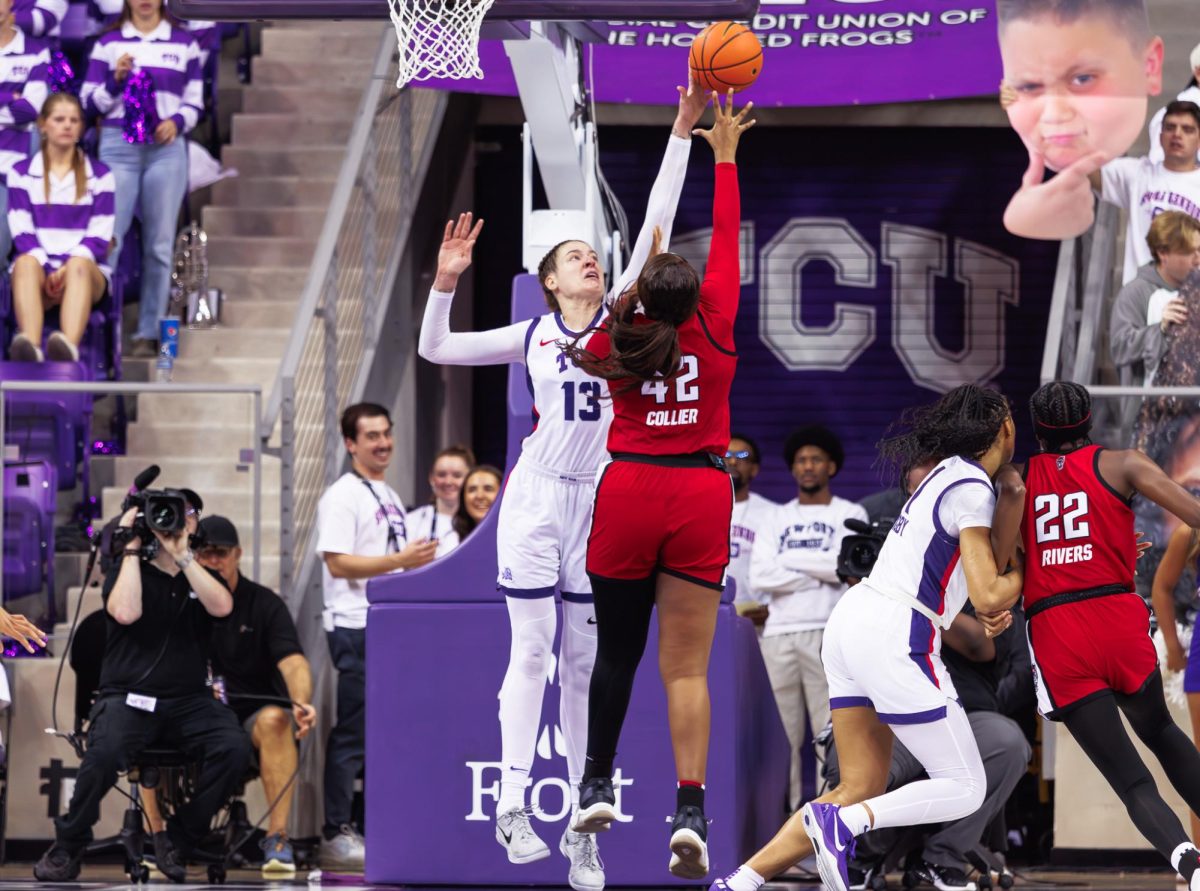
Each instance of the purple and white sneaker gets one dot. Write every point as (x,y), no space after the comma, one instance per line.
(719,884)
(832,843)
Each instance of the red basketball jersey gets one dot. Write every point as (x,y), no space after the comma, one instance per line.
(1077,530)
(690,412)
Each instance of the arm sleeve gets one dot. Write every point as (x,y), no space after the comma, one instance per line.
(26,109)
(282,639)
(969,504)
(20,220)
(439,344)
(191,105)
(722,276)
(336,522)
(1130,339)
(660,210)
(100,90)
(1116,178)
(98,236)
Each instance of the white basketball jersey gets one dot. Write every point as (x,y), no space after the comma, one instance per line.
(920,558)
(571,409)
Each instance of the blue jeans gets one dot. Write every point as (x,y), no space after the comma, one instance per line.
(347,740)
(152,179)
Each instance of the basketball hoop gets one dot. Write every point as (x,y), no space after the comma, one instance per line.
(438,38)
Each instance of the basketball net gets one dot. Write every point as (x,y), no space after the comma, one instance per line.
(438,38)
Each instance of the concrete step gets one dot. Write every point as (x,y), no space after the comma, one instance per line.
(294,222)
(296,45)
(220,470)
(268,71)
(276,191)
(235,410)
(263,313)
(244,284)
(188,440)
(229,342)
(284,129)
(265,250)
(338,103)
(300,161)
(229,371)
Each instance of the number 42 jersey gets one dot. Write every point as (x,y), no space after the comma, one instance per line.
(1077,530)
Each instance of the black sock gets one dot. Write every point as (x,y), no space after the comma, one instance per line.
(597,767)
(689,794)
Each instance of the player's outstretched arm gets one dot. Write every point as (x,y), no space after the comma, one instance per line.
(989,591)
(1139,473)
(437,342)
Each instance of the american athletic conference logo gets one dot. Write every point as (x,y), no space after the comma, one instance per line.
(549,797)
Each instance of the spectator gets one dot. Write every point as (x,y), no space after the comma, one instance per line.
(40,18)
(1190,94)
(435,520)
(1137,338)
(750,512)
(258,660)
(146,52)
(978,666)
(795,561)
(361,534)
(154,688)
(24,63)
(479,492)
(884,507)
(1146,188)
(60,211)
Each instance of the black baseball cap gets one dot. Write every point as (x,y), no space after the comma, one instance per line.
(218,531)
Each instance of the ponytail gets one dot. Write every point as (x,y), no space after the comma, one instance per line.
(639,351)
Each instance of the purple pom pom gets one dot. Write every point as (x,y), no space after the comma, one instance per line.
(141,108)
(60,74)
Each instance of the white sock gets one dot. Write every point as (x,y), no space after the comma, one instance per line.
(856,817)
(744,879)
(533,622)
(576,656)
(512,790)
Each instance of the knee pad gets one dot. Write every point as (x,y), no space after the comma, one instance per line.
(531,646)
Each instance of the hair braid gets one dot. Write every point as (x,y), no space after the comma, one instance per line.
(1061,412)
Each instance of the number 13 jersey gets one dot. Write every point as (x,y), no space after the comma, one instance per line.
(1077,530)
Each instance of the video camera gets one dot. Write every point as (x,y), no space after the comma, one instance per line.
(861,550)
(159,510)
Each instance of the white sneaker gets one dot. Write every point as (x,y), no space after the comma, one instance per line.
(23,349)
(587,871)
(515,834)
(59,349)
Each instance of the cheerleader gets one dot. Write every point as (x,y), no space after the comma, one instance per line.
(546,511)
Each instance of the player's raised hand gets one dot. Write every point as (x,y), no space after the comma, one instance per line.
(1055,210)
(454,256)
(727,129)
(22,631)
(692,102)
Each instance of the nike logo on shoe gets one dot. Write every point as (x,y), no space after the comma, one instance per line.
(838,845)
(507,835)
(592,620)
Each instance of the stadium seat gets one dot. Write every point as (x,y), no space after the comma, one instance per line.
(29,503)
(53,427)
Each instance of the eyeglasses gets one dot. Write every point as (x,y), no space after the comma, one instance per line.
(741,456)
(192,512)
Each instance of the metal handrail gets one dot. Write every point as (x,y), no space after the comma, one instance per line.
(106,388)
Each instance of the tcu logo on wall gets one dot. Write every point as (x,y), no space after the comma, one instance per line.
(549,797)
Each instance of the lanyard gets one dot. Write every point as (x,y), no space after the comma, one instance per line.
(393,541)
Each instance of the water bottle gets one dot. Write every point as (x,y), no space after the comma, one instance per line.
(168,348)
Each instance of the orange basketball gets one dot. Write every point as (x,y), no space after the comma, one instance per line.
(724,55)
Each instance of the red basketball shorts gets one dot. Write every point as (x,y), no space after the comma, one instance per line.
(650,517)
(1083,650)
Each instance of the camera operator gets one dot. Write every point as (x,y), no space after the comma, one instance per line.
(795,560)
(884,507)
(161,606)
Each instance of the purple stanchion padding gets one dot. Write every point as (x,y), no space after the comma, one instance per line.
(48,426)
(29,500)
(437,649)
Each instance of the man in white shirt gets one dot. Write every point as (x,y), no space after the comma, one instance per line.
(794,560)
(1146,188)
(360,534)
(750,512)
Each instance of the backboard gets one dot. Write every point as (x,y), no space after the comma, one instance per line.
(504,10)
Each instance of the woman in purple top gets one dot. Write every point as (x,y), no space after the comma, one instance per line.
(145,82)
(60,210)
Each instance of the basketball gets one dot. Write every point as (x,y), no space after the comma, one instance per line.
(725,55)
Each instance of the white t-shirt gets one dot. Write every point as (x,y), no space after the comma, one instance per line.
(1191,94)
(794,561)
(351,520)
(1145,188)
(426,522)
(748,517)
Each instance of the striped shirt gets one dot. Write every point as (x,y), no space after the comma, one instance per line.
(24,64)
(172,58)
(207,34)
(40,18)
(55,230)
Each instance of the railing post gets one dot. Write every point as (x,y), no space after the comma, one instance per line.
(330,376)
(287,491)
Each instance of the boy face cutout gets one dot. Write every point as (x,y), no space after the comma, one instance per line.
(1078,87)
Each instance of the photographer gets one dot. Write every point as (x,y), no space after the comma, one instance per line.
(161,606)
(795,560)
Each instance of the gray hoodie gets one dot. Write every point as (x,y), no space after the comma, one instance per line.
(1136,346)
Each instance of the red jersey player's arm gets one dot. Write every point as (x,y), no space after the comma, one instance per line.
(722,276)
(1128,471)
(1006,522)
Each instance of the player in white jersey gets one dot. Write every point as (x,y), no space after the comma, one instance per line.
(882,641)
(541,537)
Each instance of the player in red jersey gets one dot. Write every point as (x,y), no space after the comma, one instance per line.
(1088,628)
(660,524)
